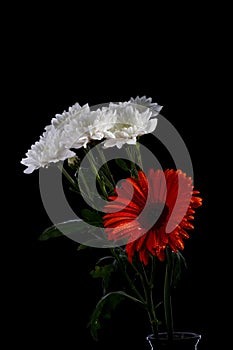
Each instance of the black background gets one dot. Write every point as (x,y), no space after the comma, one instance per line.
(55,63)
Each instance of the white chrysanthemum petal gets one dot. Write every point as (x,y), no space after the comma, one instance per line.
(30,169)
(110,143)
(109,135)
(151,125)
(132,141)
(147,102)
(119,142)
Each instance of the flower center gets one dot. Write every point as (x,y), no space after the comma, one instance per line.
(154,215)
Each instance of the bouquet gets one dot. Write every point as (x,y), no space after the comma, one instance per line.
(142,220)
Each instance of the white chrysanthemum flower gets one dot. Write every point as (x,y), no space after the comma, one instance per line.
(53,145)
(74,112)
(134,118)
(92,125)
(49,149)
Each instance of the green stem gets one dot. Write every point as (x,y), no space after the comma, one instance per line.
(153,318)
(106,167)
(100,182)
(67,175)
(139,156)
(167,294)
(129,154)
(88,192)
(131,157)
(148,291)
(73,182)
(132,286)
(152,277)
(144,273)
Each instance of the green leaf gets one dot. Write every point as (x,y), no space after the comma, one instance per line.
(106,181)
(103,272)
(104,308)
(122,164)
(51,232)
(82,247)
(92,217)
(134,172)
(72,227)
(66,227)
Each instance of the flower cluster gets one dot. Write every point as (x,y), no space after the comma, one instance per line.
(117,124)
(150,212)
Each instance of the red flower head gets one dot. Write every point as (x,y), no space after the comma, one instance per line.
(156,214)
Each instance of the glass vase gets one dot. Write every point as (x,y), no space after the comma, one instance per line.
(180,341)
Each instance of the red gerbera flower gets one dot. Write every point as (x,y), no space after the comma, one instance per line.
(156,214)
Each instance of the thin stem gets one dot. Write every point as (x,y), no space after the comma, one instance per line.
(144,273)
(88,192)
(132,160)
(152,276)
(132,286)
(73,182)
(93,166)
(67,175)
(139,156)
(154,320)
(129,154)
(148,291)
(167,294)
(108,172)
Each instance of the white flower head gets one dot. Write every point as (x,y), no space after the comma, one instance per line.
(49,149)
(53,145)
(133,118)
(91,125)
(74,112)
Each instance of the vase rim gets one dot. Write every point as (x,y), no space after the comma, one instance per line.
(182,335)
